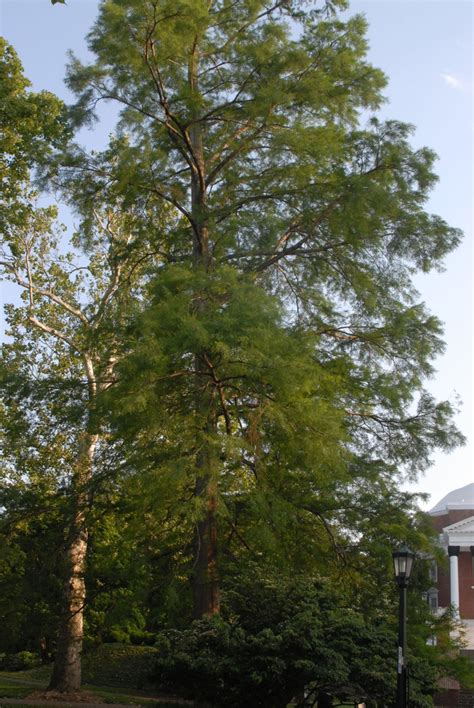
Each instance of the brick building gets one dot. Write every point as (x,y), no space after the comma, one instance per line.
(453,518)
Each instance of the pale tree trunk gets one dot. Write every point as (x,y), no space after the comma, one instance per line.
(205,579)
(66,676)
(67,667)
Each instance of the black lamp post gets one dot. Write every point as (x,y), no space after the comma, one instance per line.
(403,562)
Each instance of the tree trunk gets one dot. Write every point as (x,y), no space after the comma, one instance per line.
(66,675)
(205,579)
(44,648)
(206,593)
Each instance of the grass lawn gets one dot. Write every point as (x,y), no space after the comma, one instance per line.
(12,690)
(18,684)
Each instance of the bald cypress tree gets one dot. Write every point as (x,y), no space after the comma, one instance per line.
(283,354)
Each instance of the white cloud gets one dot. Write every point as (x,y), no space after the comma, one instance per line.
(452,81)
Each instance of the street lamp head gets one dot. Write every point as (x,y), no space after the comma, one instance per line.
(403,563)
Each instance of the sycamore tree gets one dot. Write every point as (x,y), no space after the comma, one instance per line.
(67,327)
(67,334)
(64,337)
(280,368)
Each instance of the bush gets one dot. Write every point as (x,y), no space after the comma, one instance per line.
(119,665)
(142,638)
(19,662)
(273,640)
(220,663)
(277,636)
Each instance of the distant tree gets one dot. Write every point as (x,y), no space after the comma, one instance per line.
(31,519)
(281,366)
(31,124)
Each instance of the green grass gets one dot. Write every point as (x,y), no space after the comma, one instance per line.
(12,690)
(112,695)
(19,684)
(115,673)
(39,675)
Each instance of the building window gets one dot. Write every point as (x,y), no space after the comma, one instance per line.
(433,571)
(431,598)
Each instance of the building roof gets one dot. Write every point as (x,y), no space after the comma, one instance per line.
(462,498)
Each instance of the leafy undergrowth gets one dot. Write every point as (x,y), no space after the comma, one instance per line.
(115,665)
(119,665)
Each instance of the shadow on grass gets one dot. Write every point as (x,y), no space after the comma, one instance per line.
(20,684)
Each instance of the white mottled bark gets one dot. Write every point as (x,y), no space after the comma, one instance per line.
(66,675)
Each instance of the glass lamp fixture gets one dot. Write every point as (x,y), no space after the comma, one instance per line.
(403,563)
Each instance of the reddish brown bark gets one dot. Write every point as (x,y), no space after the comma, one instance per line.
(206,593)
(205,579)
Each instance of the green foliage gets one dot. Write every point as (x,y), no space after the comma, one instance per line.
(239,297)
(31,522)
(30,587)
(119,665)
(31,126)
(316,221)
(19,662)
(277,636)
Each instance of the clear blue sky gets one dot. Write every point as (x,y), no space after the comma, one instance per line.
(425,48)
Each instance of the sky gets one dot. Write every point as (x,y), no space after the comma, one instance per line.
(425,49)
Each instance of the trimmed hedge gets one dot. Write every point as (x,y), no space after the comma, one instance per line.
(119,665)
(21,661)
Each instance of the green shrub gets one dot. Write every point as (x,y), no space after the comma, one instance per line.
(142,638)
(119,665)
(19,662)
(274,639)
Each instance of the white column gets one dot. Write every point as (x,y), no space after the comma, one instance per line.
(454,577)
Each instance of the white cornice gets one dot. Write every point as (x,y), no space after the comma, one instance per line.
(460,534)
(465,525)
